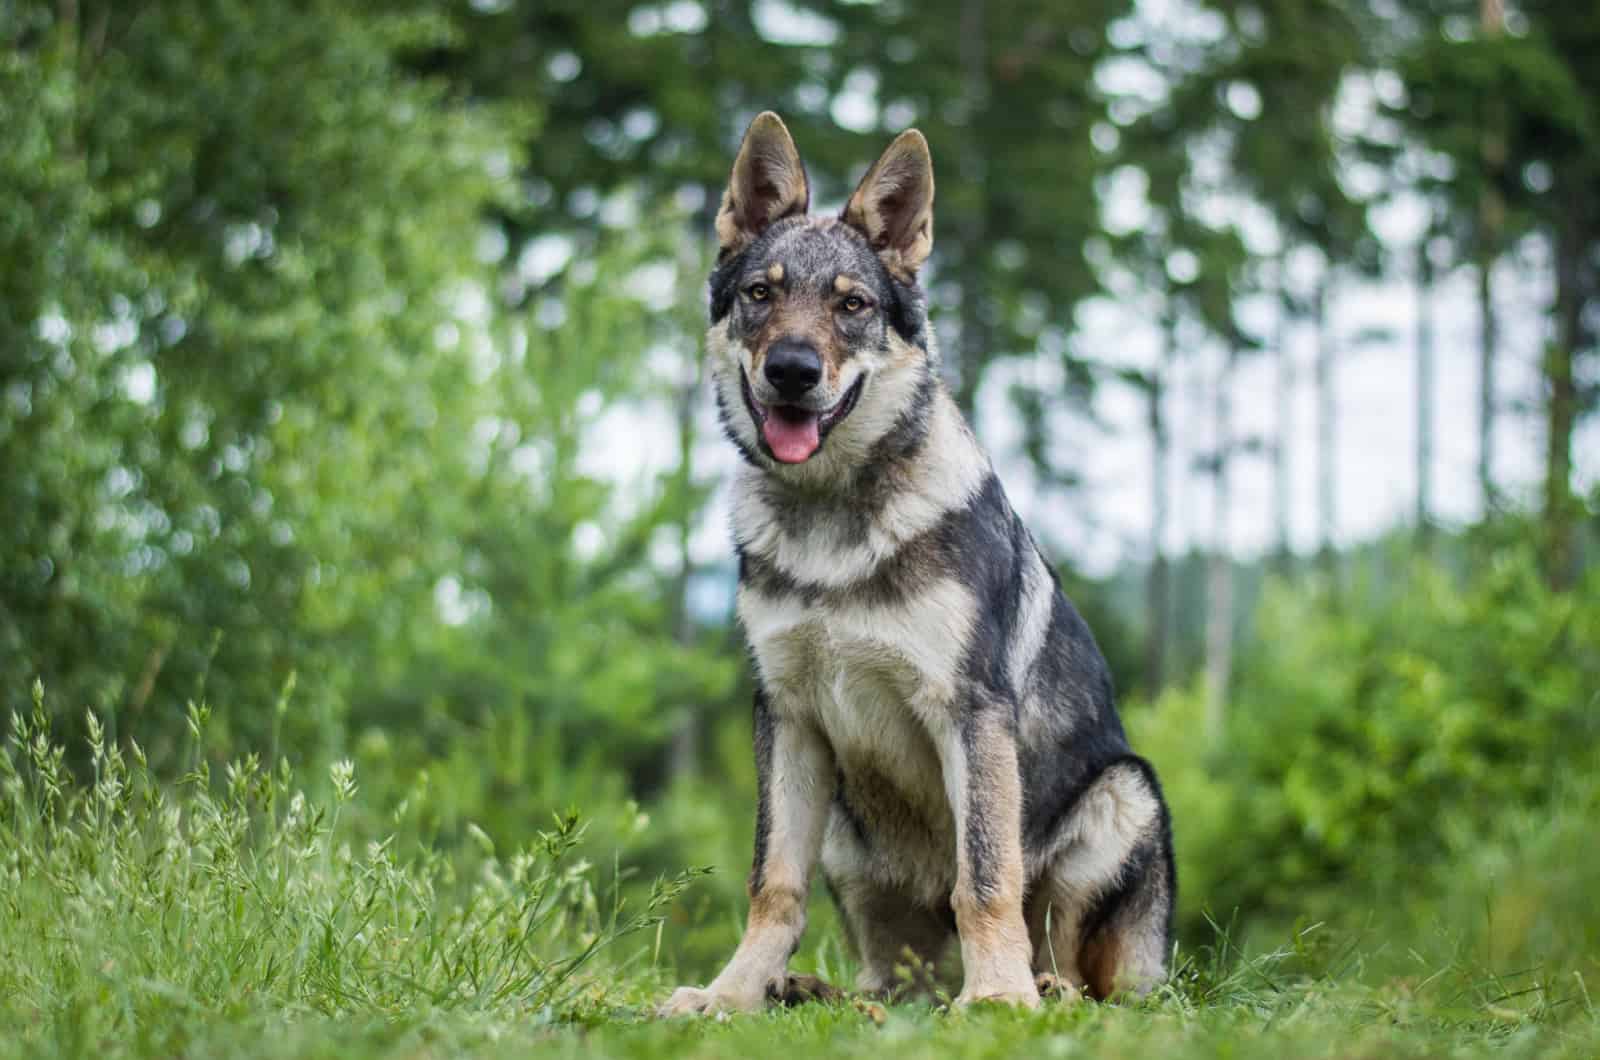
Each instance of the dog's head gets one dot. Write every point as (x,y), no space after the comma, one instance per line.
(819,334)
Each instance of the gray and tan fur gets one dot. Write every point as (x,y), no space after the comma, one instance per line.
(934,724)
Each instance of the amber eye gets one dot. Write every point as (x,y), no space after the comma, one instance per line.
(758,292)
(854,304)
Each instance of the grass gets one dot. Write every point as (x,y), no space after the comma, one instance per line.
(239,915)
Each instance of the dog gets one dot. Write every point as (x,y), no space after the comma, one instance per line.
(934,724)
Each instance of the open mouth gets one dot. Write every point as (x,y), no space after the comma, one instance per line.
(791,433)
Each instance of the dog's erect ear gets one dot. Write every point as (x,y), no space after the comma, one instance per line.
(893,205)
(767,185)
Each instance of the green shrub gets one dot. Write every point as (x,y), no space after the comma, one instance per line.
(1372,749)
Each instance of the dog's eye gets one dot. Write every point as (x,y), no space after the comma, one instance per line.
(758,292)
(854,304)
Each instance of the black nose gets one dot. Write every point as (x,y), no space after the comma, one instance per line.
(793,367)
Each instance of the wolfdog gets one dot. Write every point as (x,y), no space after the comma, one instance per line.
(934,722)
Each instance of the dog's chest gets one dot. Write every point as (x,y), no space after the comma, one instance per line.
(910,648)
(879,679)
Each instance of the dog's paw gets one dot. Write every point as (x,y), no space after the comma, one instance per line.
(801,989)
(1054,989)
(710,1001)
(685,1001)
(1019,998)
(1025,997)
(1022,992)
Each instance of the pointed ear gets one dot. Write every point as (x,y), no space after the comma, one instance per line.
(893,206)
(768,184)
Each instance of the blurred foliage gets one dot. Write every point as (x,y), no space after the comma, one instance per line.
(263,419)
(224,390)
(1373,749)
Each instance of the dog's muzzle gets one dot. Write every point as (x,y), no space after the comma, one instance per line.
(791,434)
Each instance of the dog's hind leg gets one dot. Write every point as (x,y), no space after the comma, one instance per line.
(1055,912)
(1127,935)
(886,927)
(1100,913)
(890,930)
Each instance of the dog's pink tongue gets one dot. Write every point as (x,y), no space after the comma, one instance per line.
(791,434)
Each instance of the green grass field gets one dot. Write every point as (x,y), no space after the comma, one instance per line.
(1304,1024)
(233,915)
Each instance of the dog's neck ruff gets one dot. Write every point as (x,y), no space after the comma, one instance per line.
(832,535)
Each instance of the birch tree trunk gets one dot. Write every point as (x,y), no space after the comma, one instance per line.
(973,348)
(1283,401)
(1560,514)
(1425,388)
(683,754)
(1327,432)
(1491,221)
(1158,582)
(1219,577)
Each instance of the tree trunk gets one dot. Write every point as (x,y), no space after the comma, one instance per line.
(683,757)
(1158,585)
(1491,220)
(683,753)
(1560,517)
(1488,341)
(974,347)
(1283,395)
(1425,375)
(1219,578)
(1327,432)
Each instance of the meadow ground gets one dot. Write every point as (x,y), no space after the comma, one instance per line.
(233,914)
(1303,1020)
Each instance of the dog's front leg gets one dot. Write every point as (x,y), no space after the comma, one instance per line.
(795,775)
(985,790)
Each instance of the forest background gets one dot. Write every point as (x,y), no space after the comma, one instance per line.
(353,430)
